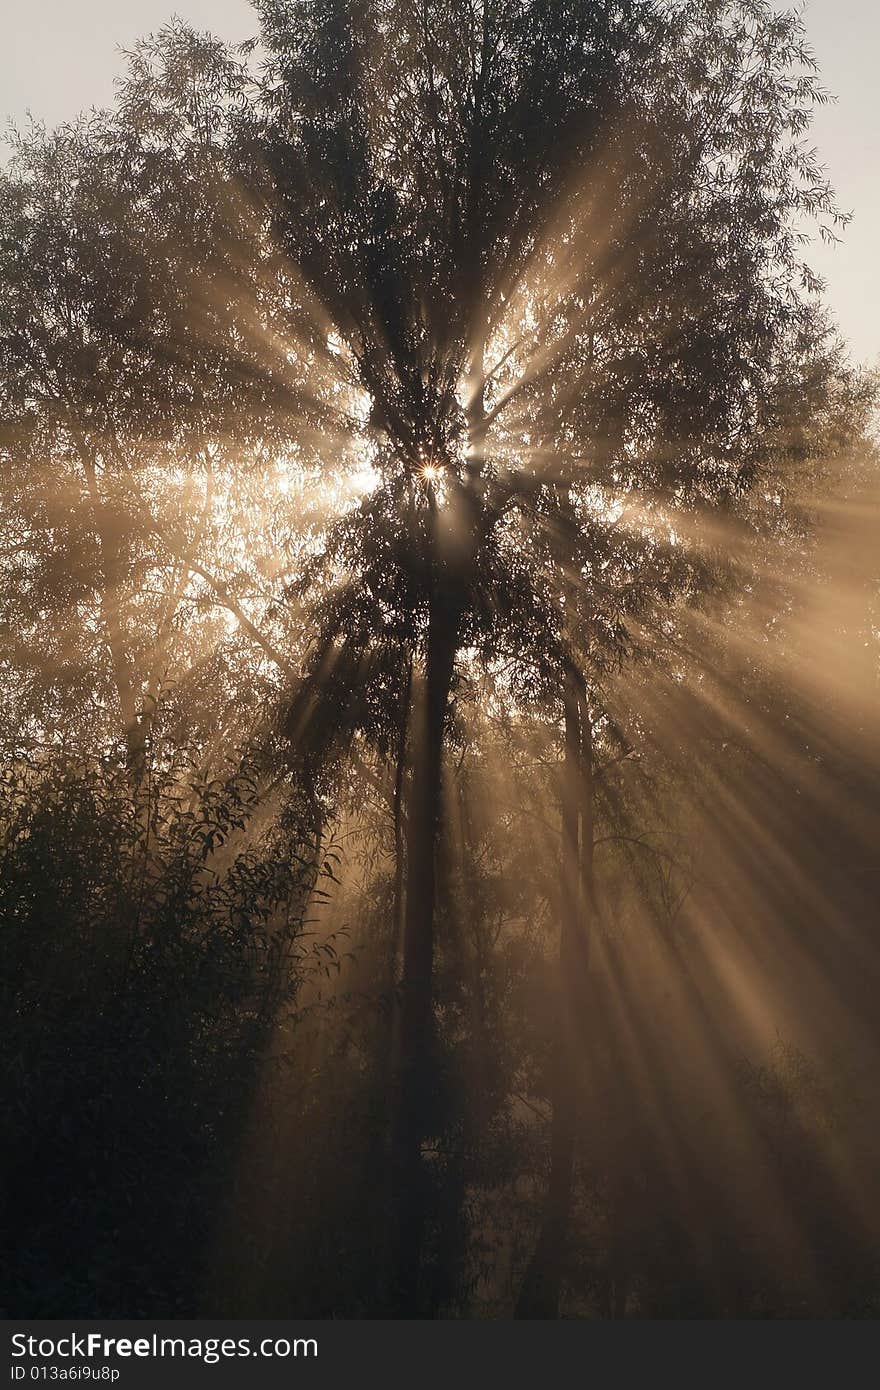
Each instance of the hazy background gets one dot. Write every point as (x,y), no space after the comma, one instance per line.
(59,56)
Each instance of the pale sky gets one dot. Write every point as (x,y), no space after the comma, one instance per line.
(58,57)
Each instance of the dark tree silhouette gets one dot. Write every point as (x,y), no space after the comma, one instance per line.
(556,252)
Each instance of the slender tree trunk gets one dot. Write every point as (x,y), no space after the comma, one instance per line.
(542,1284)
(414,1063)
(388,1032)
(399,822)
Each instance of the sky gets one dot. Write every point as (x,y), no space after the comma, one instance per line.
(58,57)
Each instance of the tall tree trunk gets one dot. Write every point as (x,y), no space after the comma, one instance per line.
(542,1284)
(388,1049)
(454,540)
(414,1062)
(400,821)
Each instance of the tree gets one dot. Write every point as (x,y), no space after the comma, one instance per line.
(146,399)
(556,252)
